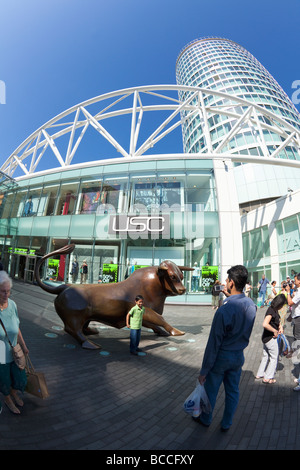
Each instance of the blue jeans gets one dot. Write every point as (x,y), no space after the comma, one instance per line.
(263,296)
(227,369)
(135,336)
(195,284)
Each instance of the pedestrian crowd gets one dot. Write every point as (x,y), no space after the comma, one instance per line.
(283,306)
(230,334)
(223,359)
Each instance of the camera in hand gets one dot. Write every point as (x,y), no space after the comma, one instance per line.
(218,288)
(284,284)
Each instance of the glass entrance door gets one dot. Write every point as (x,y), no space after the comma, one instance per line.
(22,267)
(105,265)
(29,269)
(17,266)
(101,263)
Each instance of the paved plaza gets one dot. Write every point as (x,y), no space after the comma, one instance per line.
(110,400)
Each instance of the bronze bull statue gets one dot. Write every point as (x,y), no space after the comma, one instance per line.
(78,305)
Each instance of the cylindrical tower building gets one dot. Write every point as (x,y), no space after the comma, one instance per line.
(223,65)
(242,112)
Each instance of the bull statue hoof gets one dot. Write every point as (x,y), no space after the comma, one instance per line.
(175,332)
(90,345)
(161,332)
(77,305)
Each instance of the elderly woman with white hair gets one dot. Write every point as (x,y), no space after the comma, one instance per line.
(12,379)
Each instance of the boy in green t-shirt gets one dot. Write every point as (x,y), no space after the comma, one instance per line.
(134,321)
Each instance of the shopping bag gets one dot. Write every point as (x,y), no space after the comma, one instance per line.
(283,345)
(36,382)
(197,402)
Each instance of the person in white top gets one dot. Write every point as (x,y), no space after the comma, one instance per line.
(294,302)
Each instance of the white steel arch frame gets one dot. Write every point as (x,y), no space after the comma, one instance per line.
(29,154)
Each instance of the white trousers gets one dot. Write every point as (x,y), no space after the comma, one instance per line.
(269,360)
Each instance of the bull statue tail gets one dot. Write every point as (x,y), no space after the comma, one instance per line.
(65,250)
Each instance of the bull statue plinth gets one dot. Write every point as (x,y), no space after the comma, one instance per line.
(78,305)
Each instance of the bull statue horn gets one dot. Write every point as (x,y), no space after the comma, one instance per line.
(185,268)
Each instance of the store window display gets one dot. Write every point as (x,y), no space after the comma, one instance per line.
(49,196)
(6,206)
(18,203)
(153,195)
(95,196)
(67,198)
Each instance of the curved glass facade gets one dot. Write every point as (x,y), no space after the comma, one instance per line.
(126,213)
(120,217)
(223,65)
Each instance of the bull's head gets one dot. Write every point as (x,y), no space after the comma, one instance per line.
(170,276)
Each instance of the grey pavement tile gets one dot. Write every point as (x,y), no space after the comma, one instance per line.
(121,402)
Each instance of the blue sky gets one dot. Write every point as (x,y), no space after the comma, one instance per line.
(57,53)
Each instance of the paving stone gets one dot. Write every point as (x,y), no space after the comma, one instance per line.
(121,402)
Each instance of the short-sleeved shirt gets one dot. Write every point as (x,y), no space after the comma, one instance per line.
(10,318)
(274,322)
(296,306)
(136,317)
(264,284)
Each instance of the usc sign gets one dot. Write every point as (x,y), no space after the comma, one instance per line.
(140,225)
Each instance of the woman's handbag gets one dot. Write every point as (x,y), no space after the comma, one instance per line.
(36,383)
(18,354)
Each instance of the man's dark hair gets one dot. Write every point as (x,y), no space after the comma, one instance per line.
(278,302)
(239,275)
(297,276)
(139,297)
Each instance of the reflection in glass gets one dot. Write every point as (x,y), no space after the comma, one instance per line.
(67,199)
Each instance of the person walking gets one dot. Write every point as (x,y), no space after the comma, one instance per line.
(272,328)
(195,278)
(12,379)
(74,271)
(215,295)
(294,303)
(247,289)
(283,312)
(273,293)
(83,272)
(224,354)
(262,286)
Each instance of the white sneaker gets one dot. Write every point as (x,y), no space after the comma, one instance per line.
(297,389)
